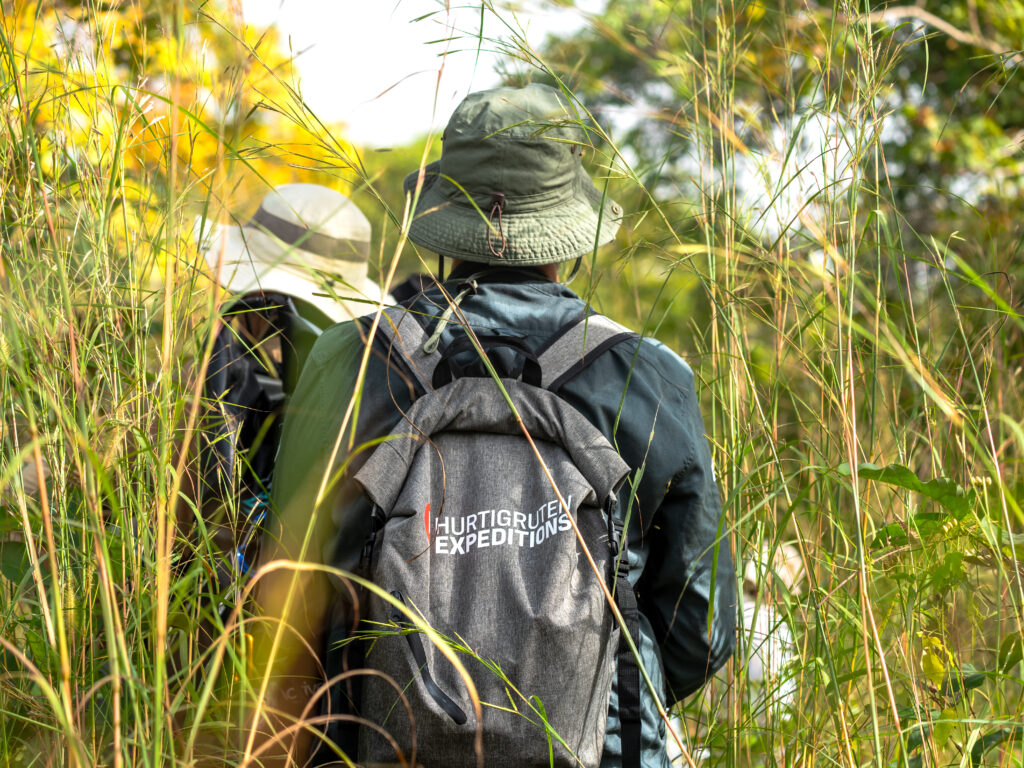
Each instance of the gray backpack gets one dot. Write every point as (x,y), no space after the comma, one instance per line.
(472,538)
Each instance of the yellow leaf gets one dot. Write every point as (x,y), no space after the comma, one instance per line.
(934,659)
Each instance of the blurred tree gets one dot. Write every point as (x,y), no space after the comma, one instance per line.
(940,80)
(794,133)
(182,98)
(382,196)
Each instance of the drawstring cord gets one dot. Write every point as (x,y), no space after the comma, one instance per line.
(497,204)
(468,287)
(575,270)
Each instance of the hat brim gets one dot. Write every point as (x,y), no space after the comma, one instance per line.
(452,226)
(251,260)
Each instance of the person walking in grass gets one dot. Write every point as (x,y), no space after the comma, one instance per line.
(508,204)
(305,241)
(298,266)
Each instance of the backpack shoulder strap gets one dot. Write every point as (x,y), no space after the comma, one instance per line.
(568,352)
(576,346)
(405,338)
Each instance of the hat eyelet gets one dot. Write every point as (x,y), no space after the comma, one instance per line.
(616,209)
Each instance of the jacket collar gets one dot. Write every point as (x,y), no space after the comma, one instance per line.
(487,274)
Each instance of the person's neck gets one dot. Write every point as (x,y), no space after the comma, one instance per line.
(549,271)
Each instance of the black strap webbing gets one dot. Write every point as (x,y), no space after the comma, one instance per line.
(576,345)
(567,353)
(630,715)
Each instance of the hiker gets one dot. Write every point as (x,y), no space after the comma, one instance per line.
(296,267)
(455,517)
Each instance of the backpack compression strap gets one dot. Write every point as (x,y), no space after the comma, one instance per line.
(630,711)
(567,353)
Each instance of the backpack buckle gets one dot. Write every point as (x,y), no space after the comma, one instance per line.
(377,520)
(615,529)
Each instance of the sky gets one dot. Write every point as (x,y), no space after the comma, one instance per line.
(374,64)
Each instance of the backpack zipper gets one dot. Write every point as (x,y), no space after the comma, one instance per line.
(442,699)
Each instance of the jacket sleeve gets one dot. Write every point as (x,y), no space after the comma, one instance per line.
(688,586)
(322,516)
(312,446)
(295,603)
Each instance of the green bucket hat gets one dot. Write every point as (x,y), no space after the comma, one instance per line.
(517,154)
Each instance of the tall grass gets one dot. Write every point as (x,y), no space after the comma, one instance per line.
(839,340)
(858,376)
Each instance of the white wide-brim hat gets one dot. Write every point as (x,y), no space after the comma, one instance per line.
(306,241)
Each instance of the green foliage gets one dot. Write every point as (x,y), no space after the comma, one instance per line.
(382,196)
(824,217)
(819,190)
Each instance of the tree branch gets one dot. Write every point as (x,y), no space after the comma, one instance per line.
(898,13)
